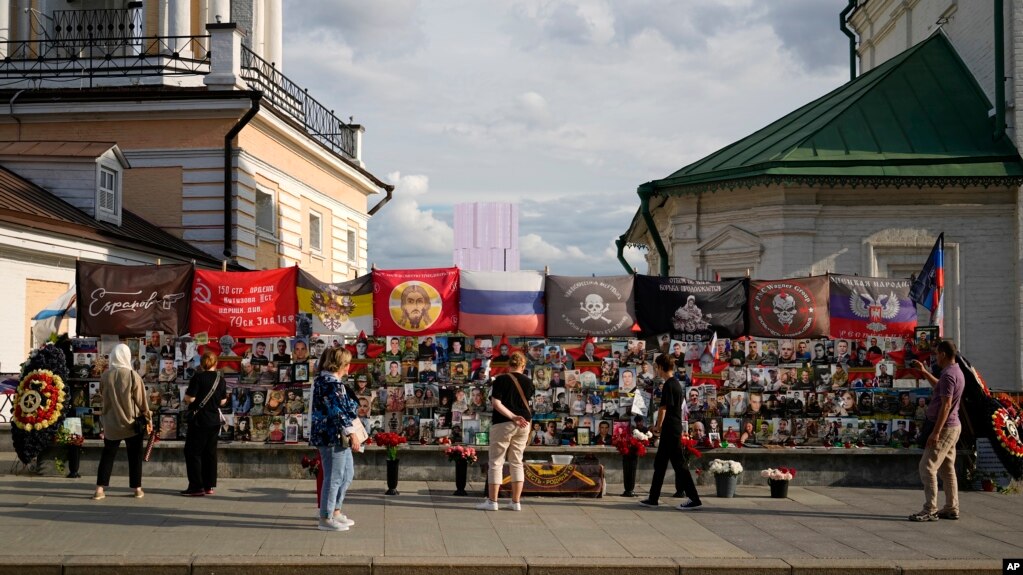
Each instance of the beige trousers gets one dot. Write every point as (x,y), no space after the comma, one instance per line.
(941,460)
(507,440)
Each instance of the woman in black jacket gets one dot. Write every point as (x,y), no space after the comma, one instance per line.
(206,392)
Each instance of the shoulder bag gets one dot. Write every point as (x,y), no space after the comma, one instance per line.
(139,423)
(205,400)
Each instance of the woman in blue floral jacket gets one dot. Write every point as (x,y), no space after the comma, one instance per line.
(333,412)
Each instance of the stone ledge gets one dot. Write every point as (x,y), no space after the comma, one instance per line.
(32,565)
(950,566)
(281,565)
(843,567)
(601,566)
(449,566)
(739,565)
(115,564)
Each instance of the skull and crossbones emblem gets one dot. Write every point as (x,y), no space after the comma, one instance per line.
(784,306)
(594,308)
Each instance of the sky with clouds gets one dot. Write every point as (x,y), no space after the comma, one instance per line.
(563,107)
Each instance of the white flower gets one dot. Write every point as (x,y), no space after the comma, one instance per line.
(641,435)
(725,467)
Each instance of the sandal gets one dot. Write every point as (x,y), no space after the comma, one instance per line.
(98,496)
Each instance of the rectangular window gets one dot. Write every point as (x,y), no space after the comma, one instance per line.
(265,213)
(353,247)
(107,190)
(315,231)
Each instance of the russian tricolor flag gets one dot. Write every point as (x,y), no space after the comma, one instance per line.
(506,303)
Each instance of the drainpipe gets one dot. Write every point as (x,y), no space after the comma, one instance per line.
(842,21)
(228,152)
(620,243)
(383,202)
(999,70)
(16,119)
(646,191)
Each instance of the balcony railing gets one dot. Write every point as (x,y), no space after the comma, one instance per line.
(77,25)
(285,95)
(95,57)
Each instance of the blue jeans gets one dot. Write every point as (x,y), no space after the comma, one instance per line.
(338,473)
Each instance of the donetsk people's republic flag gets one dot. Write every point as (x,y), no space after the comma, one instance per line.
(245,304)
(601,306)
(791,308)
(501,303)
(415,302)
(865,307)
(344,308)
(694,309)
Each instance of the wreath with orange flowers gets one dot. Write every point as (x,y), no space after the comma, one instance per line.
(39,400)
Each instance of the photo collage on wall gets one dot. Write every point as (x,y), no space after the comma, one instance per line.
(752,390)
(809,391)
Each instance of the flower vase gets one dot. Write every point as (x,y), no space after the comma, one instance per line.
(392,477)
(461,471)
(725,484)
(779,488)
(629,465)
(74,461)
(319,485)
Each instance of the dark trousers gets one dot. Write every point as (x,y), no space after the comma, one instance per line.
(670,450)
(106,461)
(201,457)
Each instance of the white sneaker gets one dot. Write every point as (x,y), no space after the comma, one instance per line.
(512,506)
(487,505)
(331,525)
(343,519)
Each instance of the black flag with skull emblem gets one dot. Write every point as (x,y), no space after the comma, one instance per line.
(601,306)
(789,308)
(691,310)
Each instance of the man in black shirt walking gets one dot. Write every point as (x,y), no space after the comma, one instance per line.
(669,427)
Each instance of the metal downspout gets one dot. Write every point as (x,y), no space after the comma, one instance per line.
(842,19)
(646,191)
(228,152)
(620,243)
(383,202)
(999,69)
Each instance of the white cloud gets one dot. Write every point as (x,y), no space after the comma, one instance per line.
(403,234)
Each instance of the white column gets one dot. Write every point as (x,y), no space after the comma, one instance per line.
(256,34)
(180,24)
(275,34)
(220,8)
(162,16)
(5,25)
(225,57)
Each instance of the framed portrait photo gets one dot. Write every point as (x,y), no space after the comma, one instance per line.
(300,372)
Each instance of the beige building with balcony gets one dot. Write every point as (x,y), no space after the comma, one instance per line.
(216,145)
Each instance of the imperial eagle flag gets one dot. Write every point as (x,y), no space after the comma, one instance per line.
(790,308)
(601,306)
(870,307)
(692,309)
(131,300)
(344,308)
(503,303)
(415,302)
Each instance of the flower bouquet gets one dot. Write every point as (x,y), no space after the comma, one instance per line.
(461,453)
(630,445)
(391,441)
(312,465)
(726,473)
(689,447)
(779,479)
(779,474)
(73,442)
(65,437)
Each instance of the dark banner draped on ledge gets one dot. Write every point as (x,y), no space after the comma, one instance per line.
(130,300)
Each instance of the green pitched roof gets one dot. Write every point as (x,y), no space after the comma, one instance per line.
(919,115)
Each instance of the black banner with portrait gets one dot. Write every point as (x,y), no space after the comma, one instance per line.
(692,310)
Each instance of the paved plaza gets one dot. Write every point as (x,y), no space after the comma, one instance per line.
(268,526)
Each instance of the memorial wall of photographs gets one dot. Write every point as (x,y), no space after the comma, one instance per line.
(755,391)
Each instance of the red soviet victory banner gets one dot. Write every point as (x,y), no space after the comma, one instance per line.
(789,308)
(415,302)
(245,304)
